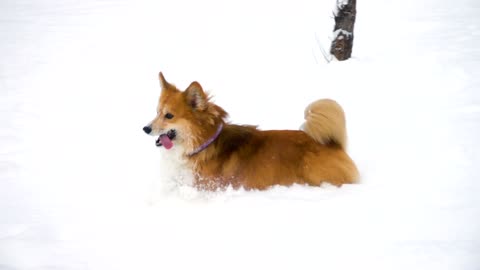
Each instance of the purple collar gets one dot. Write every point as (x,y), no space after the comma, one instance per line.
(208,142)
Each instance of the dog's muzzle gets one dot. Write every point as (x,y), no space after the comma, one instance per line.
(165,139)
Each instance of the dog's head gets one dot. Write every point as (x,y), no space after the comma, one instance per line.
(185,117)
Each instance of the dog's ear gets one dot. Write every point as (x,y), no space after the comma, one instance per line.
(195,97)
(163,83)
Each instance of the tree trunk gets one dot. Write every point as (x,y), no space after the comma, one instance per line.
(342,43)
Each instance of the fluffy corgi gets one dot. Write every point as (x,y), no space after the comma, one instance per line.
(221,154)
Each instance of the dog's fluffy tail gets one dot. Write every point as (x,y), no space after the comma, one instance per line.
(325,122)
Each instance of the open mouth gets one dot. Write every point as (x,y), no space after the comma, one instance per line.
(165,139)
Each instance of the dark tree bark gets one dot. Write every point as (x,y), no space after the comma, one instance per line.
(342,43)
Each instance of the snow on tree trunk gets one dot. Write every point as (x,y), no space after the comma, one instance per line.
(342,43)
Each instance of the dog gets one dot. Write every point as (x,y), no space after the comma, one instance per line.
(221,154)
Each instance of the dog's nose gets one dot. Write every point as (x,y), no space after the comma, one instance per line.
(147,129)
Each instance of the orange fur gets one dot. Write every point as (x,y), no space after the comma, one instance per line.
(243,156)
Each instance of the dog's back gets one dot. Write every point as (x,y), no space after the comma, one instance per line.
(245,156)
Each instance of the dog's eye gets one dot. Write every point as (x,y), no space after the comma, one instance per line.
(168,115)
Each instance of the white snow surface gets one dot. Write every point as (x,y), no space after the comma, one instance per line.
(81,186)
(340,5)
(340,31)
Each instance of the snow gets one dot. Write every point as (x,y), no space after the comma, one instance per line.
(339,6)
(81,186)
(340,32)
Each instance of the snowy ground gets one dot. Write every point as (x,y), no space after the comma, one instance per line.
(78,82)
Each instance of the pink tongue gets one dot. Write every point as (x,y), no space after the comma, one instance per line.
(166,142)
